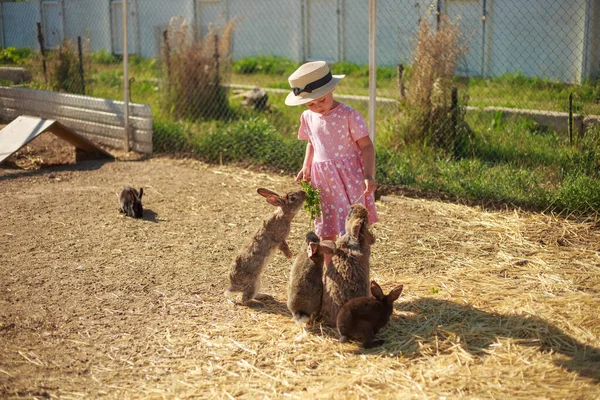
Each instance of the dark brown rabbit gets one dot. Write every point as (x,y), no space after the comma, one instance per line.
(362,317)
(305,289)
(347,275)
(131,202)
(248,265)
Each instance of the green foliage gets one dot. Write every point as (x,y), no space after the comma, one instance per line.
(578,194)
(249,141)
(312,204)
(13,55)
(103,57)
(280,66)
(111,78)
(271,65)
(348,68)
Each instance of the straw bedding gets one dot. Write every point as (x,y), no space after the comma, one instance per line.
(496,304)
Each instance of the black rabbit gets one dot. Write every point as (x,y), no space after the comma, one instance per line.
(131,202)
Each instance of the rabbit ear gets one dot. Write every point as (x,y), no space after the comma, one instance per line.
(369,235)
(141,192)
(376,291)
(312,249)
(272,197)
(394,294)
(355,231)
(275,201)
(327,247)
(266,192)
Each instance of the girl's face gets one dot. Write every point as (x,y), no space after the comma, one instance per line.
(322,105)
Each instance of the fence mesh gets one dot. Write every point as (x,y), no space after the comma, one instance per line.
(482,99)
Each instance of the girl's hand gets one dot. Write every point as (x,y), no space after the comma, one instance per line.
(370,185)
(303,175)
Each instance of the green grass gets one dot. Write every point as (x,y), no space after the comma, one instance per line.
(518,91)
(502,161)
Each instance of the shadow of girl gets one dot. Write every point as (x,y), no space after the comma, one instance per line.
(439,323)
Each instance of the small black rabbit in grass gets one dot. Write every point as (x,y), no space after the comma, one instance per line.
(131,202)
(305,289)
(247,268)
(362,317)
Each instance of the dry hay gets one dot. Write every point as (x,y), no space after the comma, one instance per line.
(93,304)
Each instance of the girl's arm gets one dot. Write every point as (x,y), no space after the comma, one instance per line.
(304,173)
(368,156)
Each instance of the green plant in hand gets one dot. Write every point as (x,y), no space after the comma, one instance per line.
(312,204)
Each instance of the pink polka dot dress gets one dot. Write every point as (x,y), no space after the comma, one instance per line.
(337,168)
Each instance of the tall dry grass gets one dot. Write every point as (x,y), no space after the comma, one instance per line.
(433,116)
(194,69)
(64,73)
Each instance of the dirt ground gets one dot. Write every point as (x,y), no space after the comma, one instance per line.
(94,304)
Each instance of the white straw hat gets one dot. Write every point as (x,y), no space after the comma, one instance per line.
(311,81)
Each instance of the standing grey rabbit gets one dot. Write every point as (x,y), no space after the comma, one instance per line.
(347,275)
(248,265)
(131,202)
(362,317)
(305,289)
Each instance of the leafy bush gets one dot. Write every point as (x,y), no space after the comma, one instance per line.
(104,57)
(13,55)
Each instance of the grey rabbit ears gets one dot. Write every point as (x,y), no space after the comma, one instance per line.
(131,202)
(288,202)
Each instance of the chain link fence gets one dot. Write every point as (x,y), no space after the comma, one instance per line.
(481,99)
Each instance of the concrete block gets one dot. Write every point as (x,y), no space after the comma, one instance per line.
(557,121)
(15,74)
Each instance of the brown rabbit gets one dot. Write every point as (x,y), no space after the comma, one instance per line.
(248,266)
(347,275)
(362,317)
(305,289)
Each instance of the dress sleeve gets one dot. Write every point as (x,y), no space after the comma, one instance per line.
(357,125)
(303,130)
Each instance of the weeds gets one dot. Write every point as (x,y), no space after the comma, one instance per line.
(64,69)
(193,72)
(430,105)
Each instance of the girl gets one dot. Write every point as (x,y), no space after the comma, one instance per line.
(340,156)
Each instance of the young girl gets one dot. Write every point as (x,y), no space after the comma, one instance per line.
(340,156)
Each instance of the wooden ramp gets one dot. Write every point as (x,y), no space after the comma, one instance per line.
(26,128)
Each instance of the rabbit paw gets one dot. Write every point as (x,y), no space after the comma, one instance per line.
(263,296)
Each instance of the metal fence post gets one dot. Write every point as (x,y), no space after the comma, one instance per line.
(372,65)
(125,76)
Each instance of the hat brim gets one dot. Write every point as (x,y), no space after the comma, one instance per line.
(303,98)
